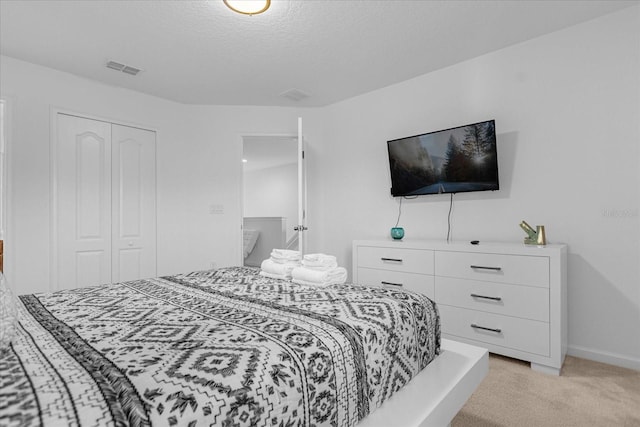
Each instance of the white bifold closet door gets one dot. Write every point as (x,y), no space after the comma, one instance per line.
(105,180)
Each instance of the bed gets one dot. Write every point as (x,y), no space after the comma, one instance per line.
(230,347)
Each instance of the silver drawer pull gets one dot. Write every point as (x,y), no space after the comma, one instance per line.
(497,331)
(481,267)
(486,297)
(392,284)
(392,259)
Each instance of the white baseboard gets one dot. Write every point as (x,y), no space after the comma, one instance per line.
(604,357)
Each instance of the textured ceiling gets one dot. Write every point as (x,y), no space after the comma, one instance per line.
(199,52)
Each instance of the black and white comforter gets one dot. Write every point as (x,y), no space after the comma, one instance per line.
(225,347)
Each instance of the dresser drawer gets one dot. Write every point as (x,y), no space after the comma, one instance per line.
(510,332)
(516,269)
(527,302)
(396,259)
(411,281)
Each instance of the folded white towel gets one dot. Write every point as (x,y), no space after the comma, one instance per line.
(285,261)
(334,275)
(319,257)
(320,261)
(283,256)
(274,276)
(269,266)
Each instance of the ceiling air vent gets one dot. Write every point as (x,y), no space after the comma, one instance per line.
(123,67)
(294,95)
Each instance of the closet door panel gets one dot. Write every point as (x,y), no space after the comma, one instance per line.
(83,202)
(133,203)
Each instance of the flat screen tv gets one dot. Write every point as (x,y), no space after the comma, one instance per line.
(455,160)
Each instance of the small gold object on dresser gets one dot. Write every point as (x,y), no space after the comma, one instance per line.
(534,237)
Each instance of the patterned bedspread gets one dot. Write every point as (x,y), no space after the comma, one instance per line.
(226,347)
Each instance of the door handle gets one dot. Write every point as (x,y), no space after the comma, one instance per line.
(300,228)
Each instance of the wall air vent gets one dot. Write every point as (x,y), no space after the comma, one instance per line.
(294,95)
(122,67)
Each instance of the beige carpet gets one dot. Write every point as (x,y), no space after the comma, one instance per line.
(586,394)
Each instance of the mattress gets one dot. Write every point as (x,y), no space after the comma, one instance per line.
(226,347)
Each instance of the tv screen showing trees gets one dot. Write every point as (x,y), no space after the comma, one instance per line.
(455,160)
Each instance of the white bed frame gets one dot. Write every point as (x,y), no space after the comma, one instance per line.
(438,392)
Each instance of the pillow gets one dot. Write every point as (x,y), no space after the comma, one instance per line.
(250,237)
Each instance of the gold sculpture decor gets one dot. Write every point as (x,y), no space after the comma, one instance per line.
(534,237)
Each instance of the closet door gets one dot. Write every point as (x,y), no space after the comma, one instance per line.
(83,202)
(133,203)
(105,198)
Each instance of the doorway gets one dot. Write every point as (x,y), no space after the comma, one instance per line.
(270,195)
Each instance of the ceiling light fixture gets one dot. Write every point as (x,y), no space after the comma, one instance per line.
(248,7)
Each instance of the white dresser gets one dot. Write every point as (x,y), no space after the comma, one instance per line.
(510,298)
